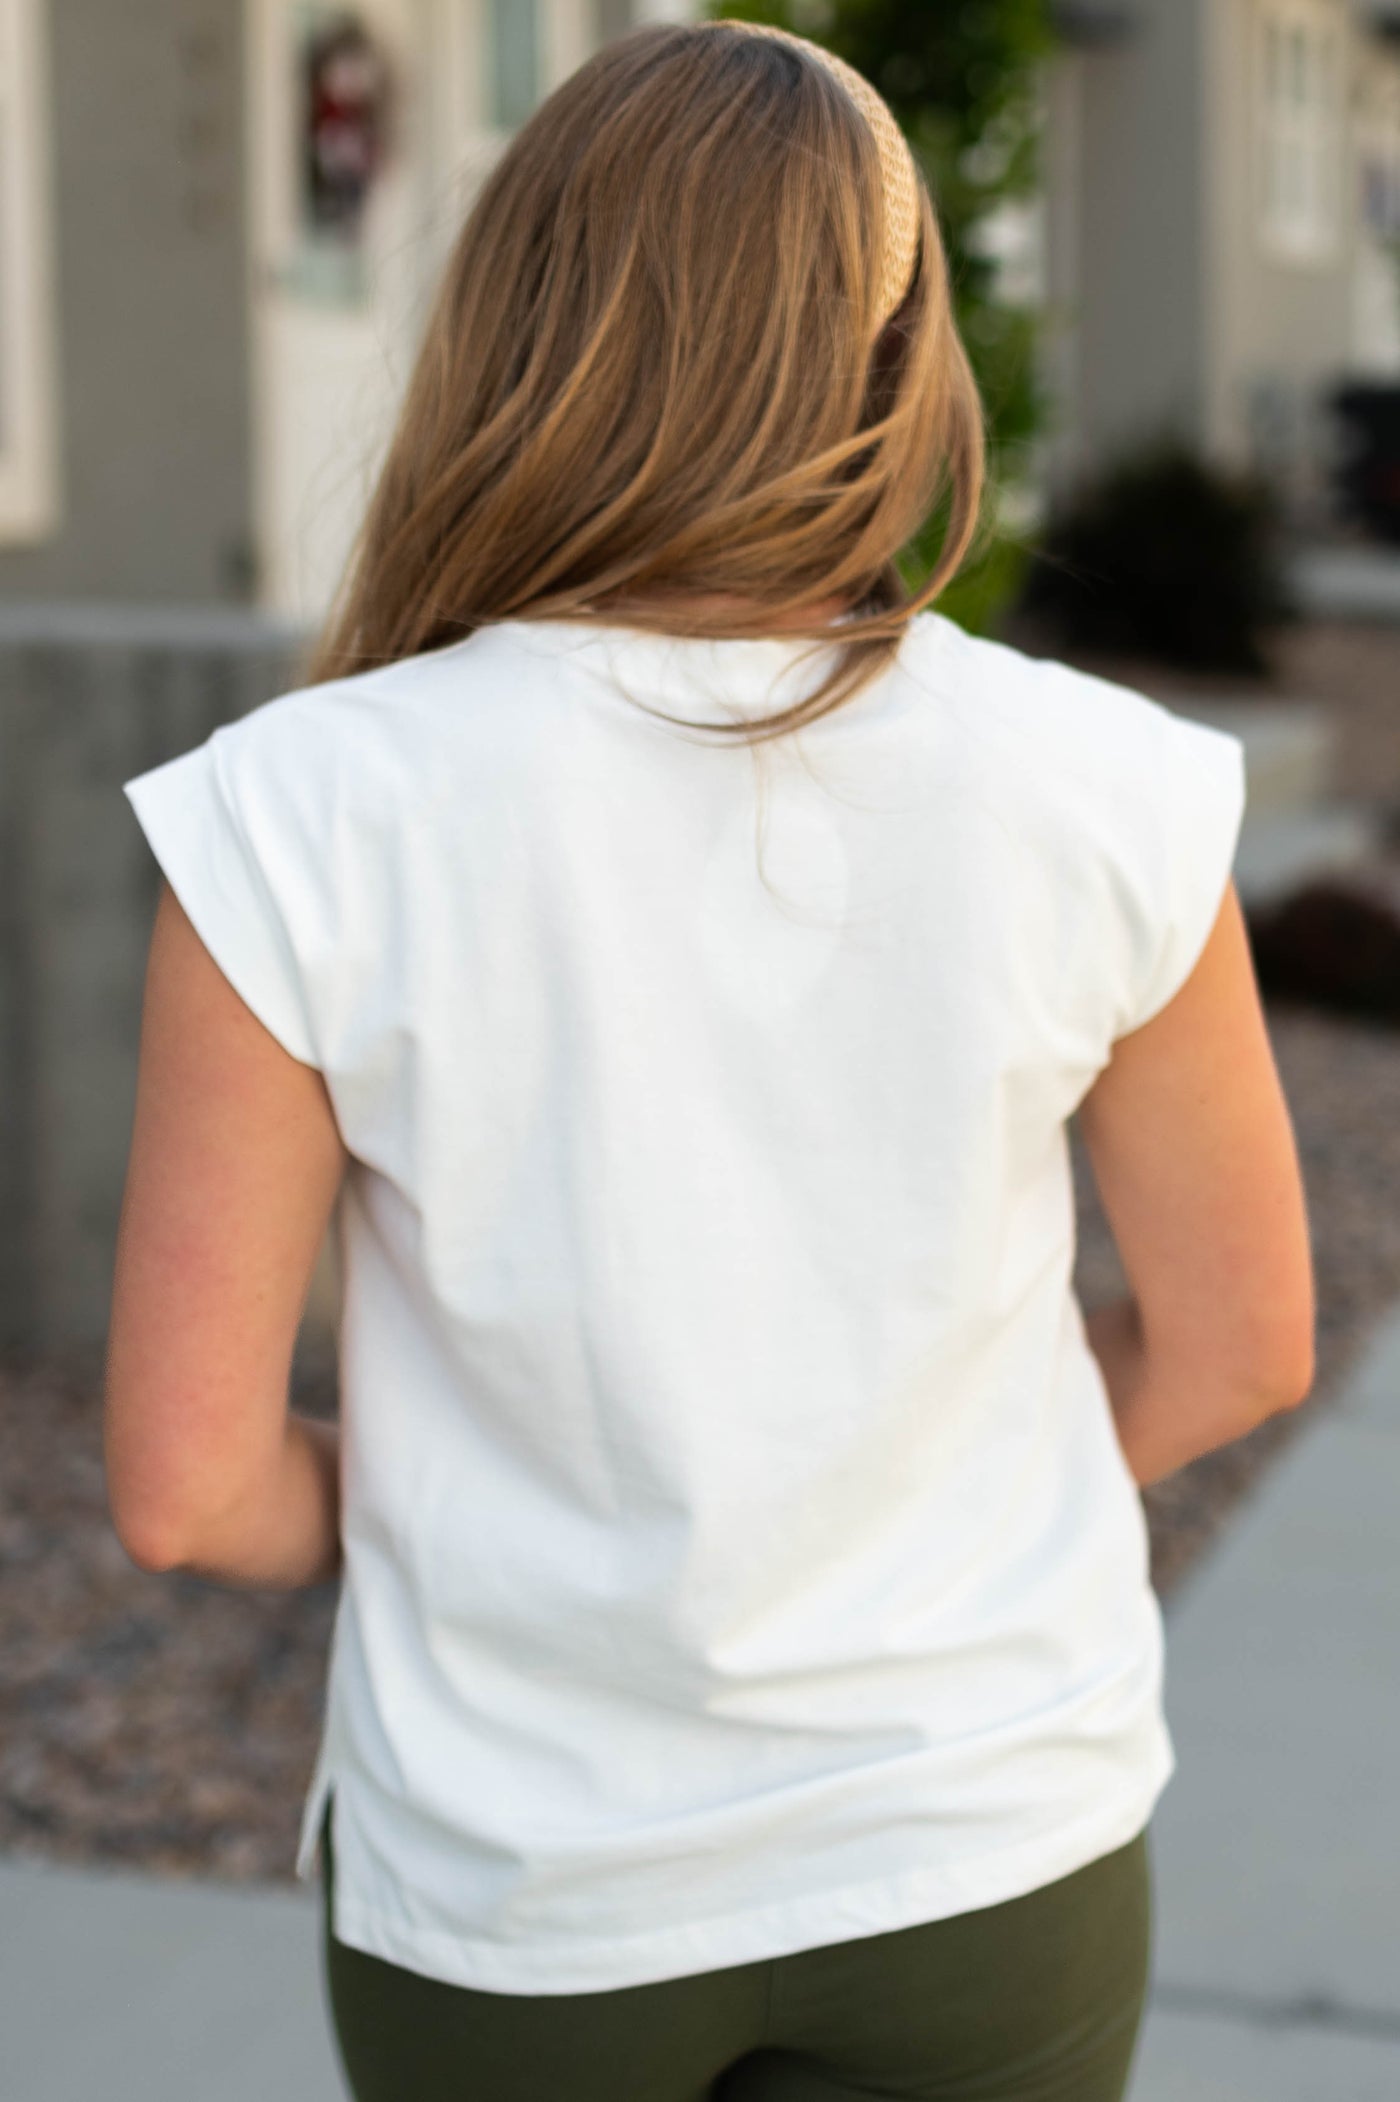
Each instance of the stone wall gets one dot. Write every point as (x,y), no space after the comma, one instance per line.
(88,697)
(150,278)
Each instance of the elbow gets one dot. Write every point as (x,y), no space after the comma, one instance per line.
(1293,1393)
(1283,1376)
(149,1539)
(161,1539)
(151,1549)
(1241,1374)
(152,1509)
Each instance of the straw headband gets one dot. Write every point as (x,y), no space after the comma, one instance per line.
(901,183)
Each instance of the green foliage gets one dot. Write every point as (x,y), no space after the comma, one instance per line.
(1168,558)
(961,77)
(989,582)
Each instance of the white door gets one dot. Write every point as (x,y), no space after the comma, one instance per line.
(331,309)
(336,316)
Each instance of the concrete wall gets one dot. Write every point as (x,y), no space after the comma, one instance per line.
(153,408)
(1280,329)
(87,699)
(1134,302)
(1170,310)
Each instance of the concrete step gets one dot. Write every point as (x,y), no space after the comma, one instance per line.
(1294,829)
(1280,850)
(1347,583)
(1288,747)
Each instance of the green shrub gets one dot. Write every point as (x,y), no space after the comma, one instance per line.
(963,82)
(1165,557)
(990,581)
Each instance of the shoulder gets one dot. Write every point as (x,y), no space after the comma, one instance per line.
(1125,815)
(372,733)
(1063,734)
(362,707)
(1042,704)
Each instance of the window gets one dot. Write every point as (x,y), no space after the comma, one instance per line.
(1380,151)
(28,491)
(513,69)
(1300,105)
(342,122)
(614,19)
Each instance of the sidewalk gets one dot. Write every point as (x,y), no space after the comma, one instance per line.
(1277,1851)
(1276,1856)
(125,1988)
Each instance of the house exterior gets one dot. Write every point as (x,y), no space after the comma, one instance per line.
(220,221)
(1221,226)
(124,417)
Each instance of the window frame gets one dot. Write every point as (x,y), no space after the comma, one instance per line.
(29,498)
(497,68)
(1379,155)
(1300,71)
(461,92)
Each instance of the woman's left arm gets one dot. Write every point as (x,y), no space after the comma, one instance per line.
(236,1160)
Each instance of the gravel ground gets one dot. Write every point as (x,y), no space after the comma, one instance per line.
(165,1723)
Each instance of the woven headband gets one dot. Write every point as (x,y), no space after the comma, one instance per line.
(901,183)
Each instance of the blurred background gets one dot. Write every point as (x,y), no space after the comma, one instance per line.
(1174,227)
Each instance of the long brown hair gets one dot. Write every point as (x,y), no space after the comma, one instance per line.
(656,375)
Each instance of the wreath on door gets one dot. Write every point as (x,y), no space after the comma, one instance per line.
(345,125)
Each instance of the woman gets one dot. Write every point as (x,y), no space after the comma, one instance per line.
(673,951)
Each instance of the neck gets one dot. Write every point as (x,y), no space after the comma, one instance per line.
(818,614)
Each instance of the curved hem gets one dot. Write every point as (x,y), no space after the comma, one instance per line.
(724,1940)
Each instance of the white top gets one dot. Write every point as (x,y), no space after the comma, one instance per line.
(739,1554)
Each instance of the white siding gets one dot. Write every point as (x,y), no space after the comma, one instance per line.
(28,464)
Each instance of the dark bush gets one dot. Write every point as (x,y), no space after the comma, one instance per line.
(1367,414)
(1168,558)
(1334,943)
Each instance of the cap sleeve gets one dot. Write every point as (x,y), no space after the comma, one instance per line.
(1177,858)
(191,821)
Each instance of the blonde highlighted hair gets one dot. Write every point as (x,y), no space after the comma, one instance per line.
(658,388)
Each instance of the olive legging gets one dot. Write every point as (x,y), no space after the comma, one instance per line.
(1038,1999)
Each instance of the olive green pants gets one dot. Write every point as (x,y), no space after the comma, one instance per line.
(1038,1999)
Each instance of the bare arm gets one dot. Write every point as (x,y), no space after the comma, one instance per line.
(235,1163)
(1192,1148)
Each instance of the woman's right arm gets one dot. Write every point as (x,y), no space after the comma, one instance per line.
(1193,1151)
